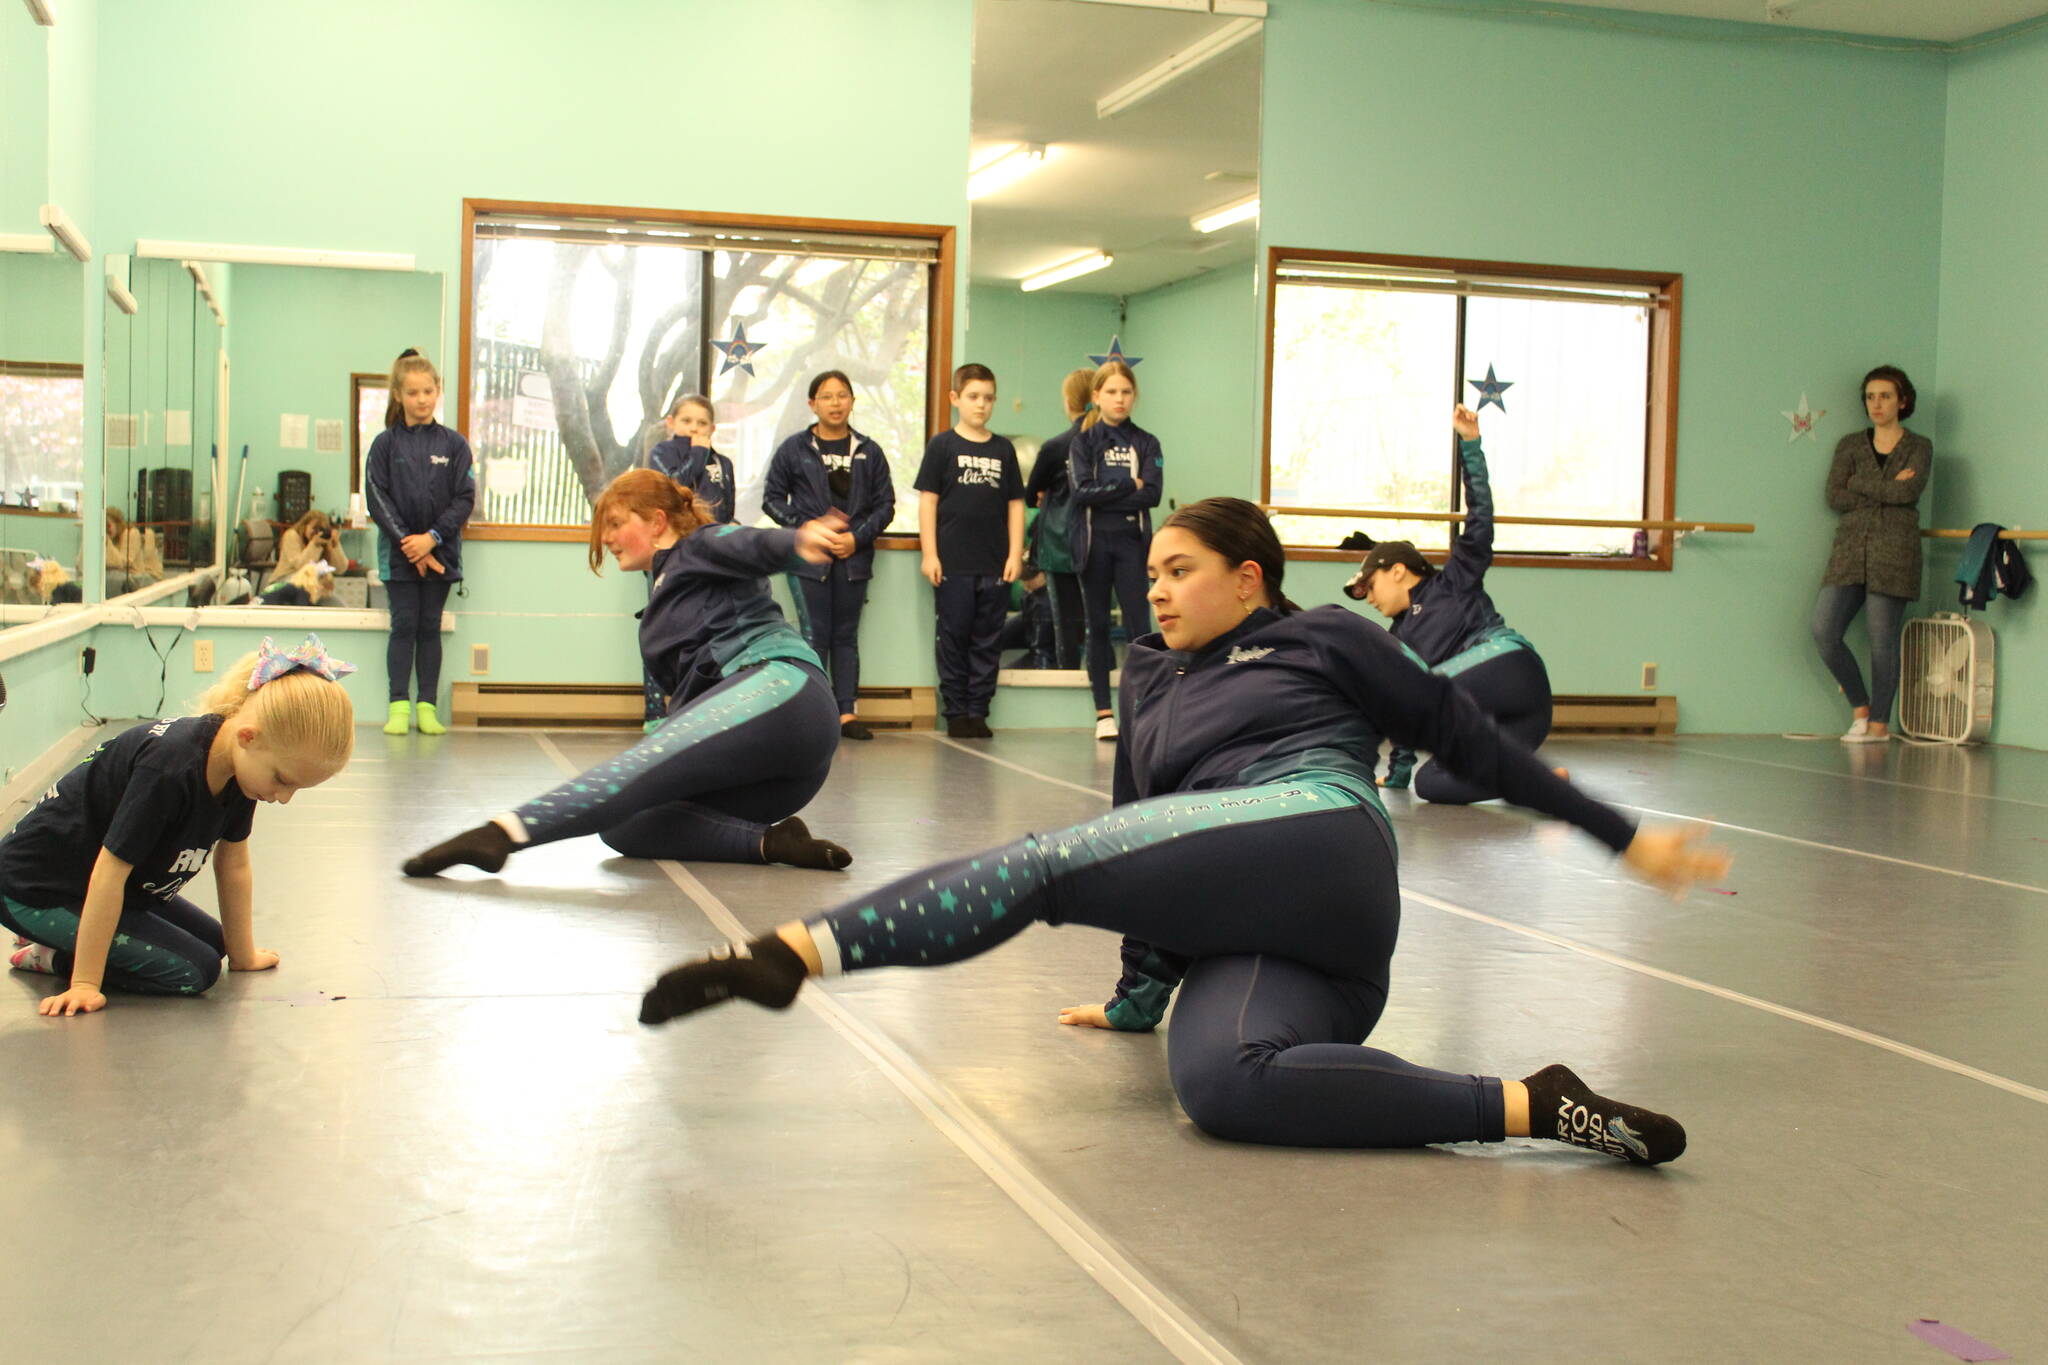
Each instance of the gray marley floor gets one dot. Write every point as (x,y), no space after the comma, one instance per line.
(437,1133)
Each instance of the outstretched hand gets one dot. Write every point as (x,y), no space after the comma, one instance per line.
(824,539)
(1672,858)
(1465,422)
(1085,1016)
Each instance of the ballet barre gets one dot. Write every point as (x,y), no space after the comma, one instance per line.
(1371,514)
(2010,533)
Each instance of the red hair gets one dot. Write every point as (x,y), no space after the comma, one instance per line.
(642,493)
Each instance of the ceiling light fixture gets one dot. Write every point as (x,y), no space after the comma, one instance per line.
(1190,58)
(1005,170)
(1216,219)
(1071,270)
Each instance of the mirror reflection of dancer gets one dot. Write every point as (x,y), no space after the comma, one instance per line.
(751,727)
(1249,862)
(1445,616)
(1113,471)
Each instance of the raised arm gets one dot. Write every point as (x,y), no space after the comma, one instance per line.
(1472,550)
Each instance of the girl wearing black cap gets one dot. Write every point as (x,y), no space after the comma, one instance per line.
(1446,618)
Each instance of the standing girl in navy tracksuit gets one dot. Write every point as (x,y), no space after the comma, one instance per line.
(824,468)
(1113,467)
(89,879)
(1445,616)
(422,486)
(1052,545)
(1249,862)
(690,462)
(750,732)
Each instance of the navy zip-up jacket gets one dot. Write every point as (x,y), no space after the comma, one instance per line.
(1449,612)
(421,479)
(1056,514)
(709,613)
(700,469)
(796,491)
(1104,463)
(1305,696)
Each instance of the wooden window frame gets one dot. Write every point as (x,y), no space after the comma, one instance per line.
(1660,451)
(357,381)
(938,343)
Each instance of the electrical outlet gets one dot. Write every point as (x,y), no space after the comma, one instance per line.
(479,659)
(202,656)
(1649,677)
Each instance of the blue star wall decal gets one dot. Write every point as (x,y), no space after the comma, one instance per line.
(1115,352)
(739,351)
(1490,390)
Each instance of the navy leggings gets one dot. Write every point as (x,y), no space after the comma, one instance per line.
(1836,606)
(1285,895)
(1069,621)
(1116,564)
(415,637)
(828,614)
(967,633)
(705,786)
(160,947)
(1513,688)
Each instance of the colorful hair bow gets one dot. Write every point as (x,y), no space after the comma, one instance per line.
(273,663)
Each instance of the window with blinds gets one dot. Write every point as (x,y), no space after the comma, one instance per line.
(583,326)
(1573,374)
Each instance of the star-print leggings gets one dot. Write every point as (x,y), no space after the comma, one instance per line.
(161,947)
(706,785)
(1285,896)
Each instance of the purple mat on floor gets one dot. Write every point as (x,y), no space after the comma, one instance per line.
(1957,1343)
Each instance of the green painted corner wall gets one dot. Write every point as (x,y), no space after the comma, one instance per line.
(1031,341)
(1198,385)
(1994,295)
(1731,155)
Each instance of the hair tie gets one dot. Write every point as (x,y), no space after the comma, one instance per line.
(309,654)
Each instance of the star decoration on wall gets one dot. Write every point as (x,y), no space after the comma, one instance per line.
(1803,420)
(739,351)
(1490,390)
(1115,352)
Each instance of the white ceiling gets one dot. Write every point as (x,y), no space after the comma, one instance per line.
(1125,185)
(1941,21)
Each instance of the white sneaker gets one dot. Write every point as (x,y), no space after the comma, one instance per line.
(1105,727)
(1857,727)
(1863,735)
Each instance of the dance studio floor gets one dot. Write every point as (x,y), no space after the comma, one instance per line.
(437,1133)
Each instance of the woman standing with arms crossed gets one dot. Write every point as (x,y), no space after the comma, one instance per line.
(1875,483)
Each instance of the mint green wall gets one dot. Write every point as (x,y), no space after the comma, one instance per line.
(1031,341)
(296,334)
(1198,385)
(39,314)
(24,122)
(1746,161)
(1994,295)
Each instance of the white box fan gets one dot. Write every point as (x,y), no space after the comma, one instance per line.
(1945,679)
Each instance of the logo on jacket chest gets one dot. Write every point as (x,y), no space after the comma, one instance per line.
(437,459)
(1240,655)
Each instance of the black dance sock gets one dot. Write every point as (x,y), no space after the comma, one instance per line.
(766,971)
(793,843)
(1564,1108)
(486,846)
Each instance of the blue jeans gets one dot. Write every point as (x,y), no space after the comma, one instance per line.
(1836,606)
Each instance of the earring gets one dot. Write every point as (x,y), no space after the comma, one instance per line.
(1246,605)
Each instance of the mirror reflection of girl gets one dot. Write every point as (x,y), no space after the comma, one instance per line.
(830,467)
(1051,545)
(1251,867)
(689,460)
(310,586)
(89,879)
(133,560)
(1875,482)
(751,728)
(308,540)
(1113,467)
(422,485)
(51,582)
(1445,616)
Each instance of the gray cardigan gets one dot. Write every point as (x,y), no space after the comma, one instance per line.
(1877,543)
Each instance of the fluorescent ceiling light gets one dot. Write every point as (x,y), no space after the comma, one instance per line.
(39,10)
(1190,58)
(66,232)
(1072,270)
(1005,170)
(152,249)
(1225,216)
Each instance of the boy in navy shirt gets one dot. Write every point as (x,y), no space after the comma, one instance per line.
(970,522)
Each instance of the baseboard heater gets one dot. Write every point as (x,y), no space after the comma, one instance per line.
(623,705)
(1618,715)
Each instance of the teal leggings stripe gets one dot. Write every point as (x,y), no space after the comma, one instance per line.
(160,947)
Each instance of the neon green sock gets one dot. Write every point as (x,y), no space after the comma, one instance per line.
(401,718)
(430,724)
